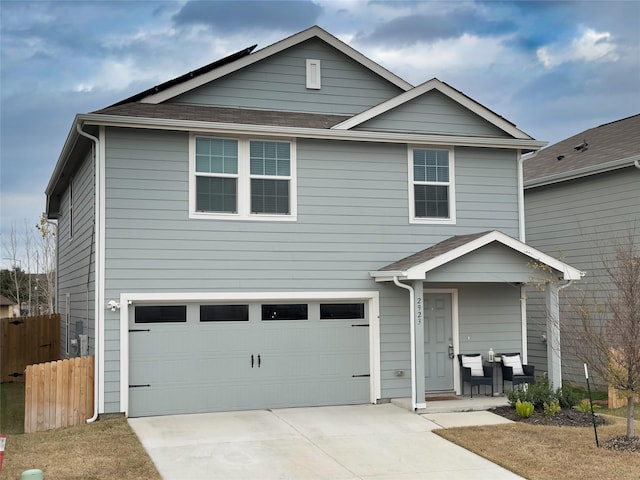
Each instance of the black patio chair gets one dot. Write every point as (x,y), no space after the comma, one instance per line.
(527,375)
(466,375)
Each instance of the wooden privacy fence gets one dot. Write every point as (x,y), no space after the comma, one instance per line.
(58,394)
(25,341)
(614,398)
(616,401)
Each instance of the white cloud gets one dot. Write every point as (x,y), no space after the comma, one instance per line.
(444,57)
(591,46)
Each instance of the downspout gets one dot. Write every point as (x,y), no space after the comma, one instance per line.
(412,329)
(97,286)
(637,164)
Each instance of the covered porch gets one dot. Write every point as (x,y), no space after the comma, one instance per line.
(466,295)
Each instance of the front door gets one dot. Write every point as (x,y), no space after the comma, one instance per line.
(438,342)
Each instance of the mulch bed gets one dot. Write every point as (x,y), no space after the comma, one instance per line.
(571,418)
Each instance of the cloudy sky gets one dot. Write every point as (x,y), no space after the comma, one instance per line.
(553,68)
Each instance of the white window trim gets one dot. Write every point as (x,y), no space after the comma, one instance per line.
(244,182)
(451,220)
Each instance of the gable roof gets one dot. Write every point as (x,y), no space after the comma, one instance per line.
(5,302)
(185,83)
(607,147)
(187,76)
(452,93)
(415,267)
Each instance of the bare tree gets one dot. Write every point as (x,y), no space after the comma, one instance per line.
(33,263)
(607,334)
(11,252)
(46,260)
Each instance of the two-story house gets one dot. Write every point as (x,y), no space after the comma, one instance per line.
(582,200)
(290,226)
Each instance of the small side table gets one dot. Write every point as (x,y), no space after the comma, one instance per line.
(496,365)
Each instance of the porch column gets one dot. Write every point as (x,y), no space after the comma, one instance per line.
(554,360)
(418,288)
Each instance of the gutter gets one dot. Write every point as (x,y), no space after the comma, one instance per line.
(98,286)
(414,402)
(318,133)
(583,172)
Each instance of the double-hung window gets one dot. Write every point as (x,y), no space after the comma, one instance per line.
(431,185)
(242,178)
(216,175)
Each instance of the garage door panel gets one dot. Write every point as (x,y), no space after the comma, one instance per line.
(206,366)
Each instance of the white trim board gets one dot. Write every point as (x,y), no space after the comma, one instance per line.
(452,93)
(129,299)
(418,272)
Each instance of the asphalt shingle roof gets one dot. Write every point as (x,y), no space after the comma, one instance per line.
(609,142)
(433,252)
(175,111)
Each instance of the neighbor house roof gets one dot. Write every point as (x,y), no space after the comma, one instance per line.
(5,302)
(606,147)
(415,267)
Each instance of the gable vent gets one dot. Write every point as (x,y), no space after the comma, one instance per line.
(313,74)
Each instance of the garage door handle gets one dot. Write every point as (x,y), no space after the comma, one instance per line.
(259,361)
(252,360)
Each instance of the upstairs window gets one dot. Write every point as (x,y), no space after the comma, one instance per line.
(216,175)
(270,171)
(431,192)
(242,179)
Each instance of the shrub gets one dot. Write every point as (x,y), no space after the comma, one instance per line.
(568,397)
(524,409)
(537,394)
(551,409)
(585,406)
(540,393)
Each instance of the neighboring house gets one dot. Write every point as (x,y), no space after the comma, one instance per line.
(8,308)
(582,197)
(245,236)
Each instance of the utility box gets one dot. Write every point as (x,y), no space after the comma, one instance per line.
(83,340)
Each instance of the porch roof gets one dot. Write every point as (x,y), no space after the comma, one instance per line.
(416,266)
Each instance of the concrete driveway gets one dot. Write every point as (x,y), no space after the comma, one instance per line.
(346,442)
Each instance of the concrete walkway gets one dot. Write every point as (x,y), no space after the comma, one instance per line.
(367,442)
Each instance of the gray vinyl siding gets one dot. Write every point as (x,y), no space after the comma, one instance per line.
(76,258)
(433,112)
(352,218)
(488,317)
(279,83)
(580,222)
(490,263)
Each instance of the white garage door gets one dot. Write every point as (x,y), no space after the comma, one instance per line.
(189,358)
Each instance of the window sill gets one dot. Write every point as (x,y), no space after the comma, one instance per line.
(237,217)
(432,221)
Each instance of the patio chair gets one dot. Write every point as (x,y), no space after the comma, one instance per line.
(514,371)
(473,372)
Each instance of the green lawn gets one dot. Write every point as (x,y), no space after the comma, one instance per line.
(12,407)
